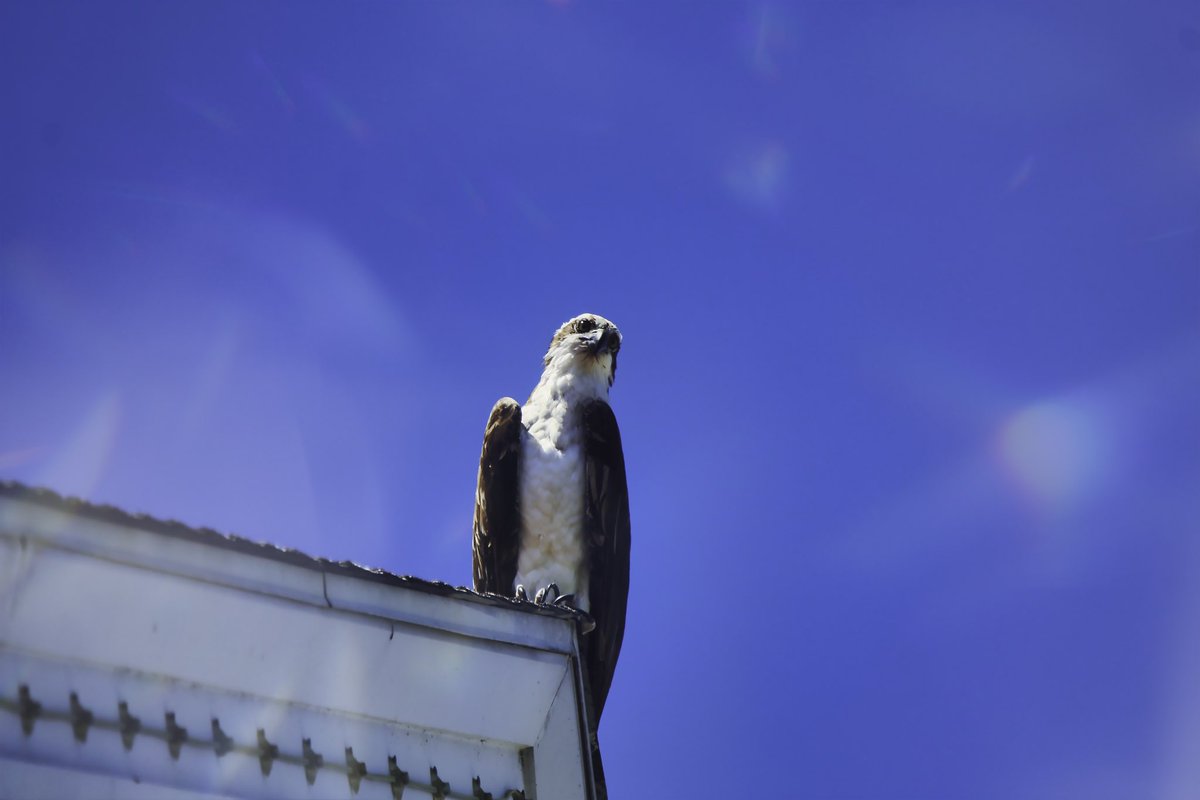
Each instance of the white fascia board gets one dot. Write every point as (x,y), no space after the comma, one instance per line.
(251,572)
(77,608)
(196,767)
(119,613)
(30,781)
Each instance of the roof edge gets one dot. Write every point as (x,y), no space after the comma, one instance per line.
(212,538)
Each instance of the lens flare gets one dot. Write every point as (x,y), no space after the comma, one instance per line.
(78,467)
(277,88)
(341,112)
(1054,451)
(1021,176)
(10,459)
(530,210)
(758,176)
(770,38)
(216,117)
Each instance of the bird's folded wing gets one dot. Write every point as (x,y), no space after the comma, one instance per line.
(496,526)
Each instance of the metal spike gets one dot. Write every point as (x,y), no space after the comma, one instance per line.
(176,735)
(399,778)
(355,770)
(222,742)
(267,753)
(440,787)
(312,761)
(28,708)
(130,725)
(81,719)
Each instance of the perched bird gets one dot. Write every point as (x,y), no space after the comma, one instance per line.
(552,506)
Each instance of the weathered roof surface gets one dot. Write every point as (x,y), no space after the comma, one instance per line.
(208,536)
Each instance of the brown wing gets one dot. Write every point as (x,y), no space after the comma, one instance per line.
(606,527)
(496,529)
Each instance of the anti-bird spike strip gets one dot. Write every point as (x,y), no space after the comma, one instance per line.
(82,719)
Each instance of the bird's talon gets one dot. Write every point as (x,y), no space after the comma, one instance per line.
(520,594)
(546,594)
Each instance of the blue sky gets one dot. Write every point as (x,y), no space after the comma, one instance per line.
(910,388)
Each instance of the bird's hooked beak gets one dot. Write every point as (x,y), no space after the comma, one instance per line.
(603,341)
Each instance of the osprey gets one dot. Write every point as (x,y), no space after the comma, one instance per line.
(552,507)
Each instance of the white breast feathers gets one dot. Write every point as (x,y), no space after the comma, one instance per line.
(551,480)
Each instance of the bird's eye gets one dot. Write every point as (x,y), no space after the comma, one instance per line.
(584,325)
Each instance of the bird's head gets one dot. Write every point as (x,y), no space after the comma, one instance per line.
(586,344)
